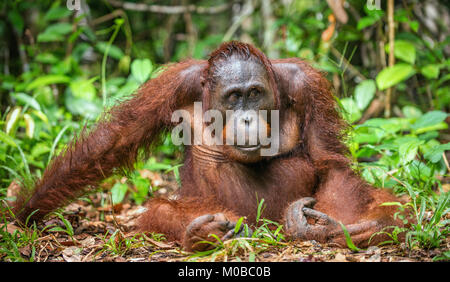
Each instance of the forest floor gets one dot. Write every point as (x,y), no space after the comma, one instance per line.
(89,237)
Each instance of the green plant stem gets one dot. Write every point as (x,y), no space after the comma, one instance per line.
(105,57)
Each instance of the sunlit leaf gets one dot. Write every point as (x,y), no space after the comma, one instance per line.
(12,120)
(118,192)
(27,100)
(430,119)
(114,51)
(55,32)
(351,110)
(430,71)
(403,50)
(29,125)
(393,75)
(435,154)
(141,69)
(47,80)
(411,112)
(364,93)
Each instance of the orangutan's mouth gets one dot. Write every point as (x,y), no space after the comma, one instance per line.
(248,148)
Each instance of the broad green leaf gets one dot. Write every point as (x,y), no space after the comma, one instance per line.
(118,192)
(55,32)
(47,80)
(408,150)
(142,186)
(419,170)
(429,119)
(47,58)
(351,111)
(365,22)
(403,50)
(366,138)
(114,51)
(56,12)
(393,75)
(414,25)
(27,100)
(4,138)
(434,127)
(411,112)
(364,93)
(85,108)
(84,89)
(141,70)
(430,71)
(435,154)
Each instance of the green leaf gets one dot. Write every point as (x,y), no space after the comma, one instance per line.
(430,71)
(408,150)
(12,120)
(366,138)
(403,50)
(434,127)
(4,138)
(393,75)
(364,93)
(429,119)
(29,125)
(414,25)
(27,100)
(351,110)
(435,154)
(55,32)
(411,112)
(84,89)
(366,21)
(348,239)
(85,108)
(118,192)
(143,186)
(47,58)
(141,69)
(114,51)
(47,80)
(56,13)
(238,225)
(391,204)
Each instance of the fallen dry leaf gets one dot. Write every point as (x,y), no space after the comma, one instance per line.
(72,254)
(339,258)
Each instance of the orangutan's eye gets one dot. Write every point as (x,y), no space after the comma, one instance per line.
(233,97)
(254,93)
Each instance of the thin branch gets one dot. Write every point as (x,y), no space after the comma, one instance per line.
(246,11)
(141,7)
(349,67)
(191,31)
(446,161)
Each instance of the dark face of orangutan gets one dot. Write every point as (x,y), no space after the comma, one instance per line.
(243,95)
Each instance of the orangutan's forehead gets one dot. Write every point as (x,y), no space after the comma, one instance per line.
(238,71)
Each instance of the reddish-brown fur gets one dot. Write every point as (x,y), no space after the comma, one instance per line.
(313,160)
